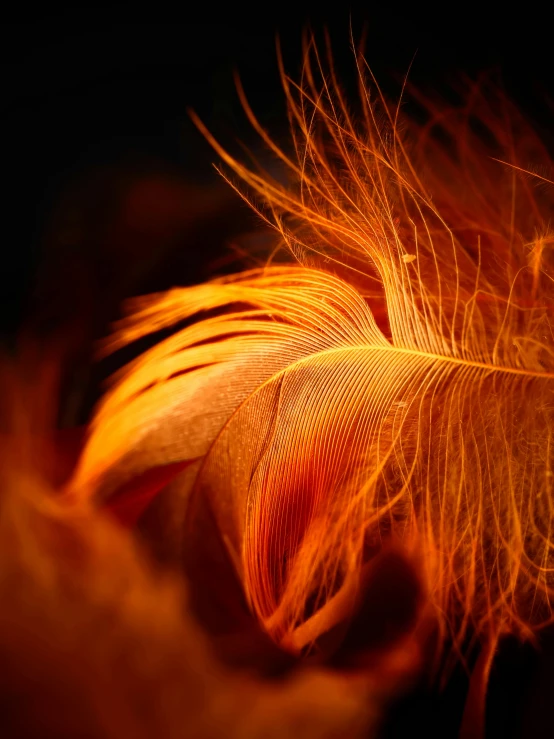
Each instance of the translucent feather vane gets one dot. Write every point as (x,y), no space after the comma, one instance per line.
(394,382)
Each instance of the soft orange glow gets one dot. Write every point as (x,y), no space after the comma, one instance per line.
(97,640)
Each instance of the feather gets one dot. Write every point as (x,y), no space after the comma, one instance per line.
(394,384)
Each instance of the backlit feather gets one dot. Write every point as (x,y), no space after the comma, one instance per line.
(395,384)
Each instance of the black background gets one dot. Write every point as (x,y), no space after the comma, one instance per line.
(95,100)
(109,189)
